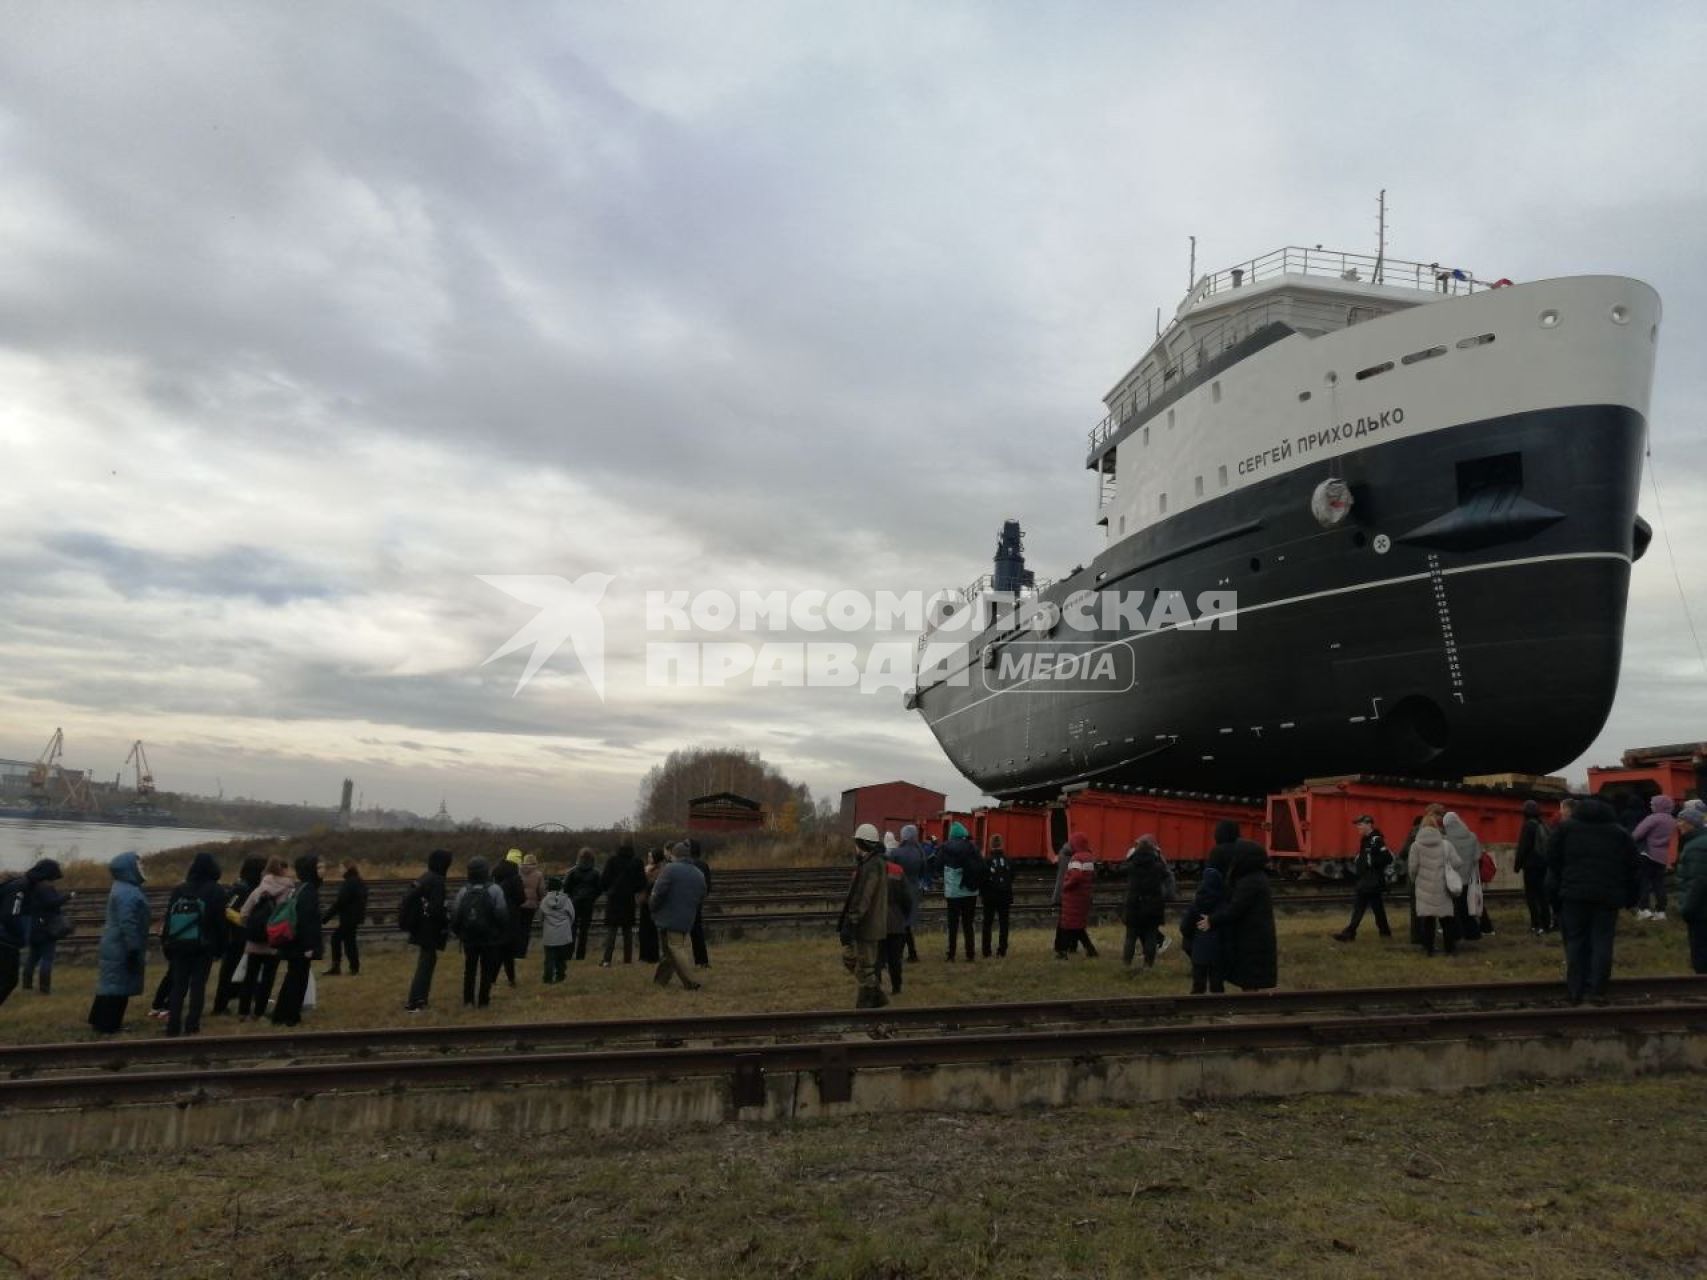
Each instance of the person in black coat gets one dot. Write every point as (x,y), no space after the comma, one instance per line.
(623,878)
(583,884)
(1249,956)
(429,927)
(1203,946)
(1531,863)
(193,936)
(302,951)
(1593,864)
(45,907)
(507,875)
(997,895)
(1369,880)
(701,957)
(248,876)
(1228,846)
(1149,885)
(349,910)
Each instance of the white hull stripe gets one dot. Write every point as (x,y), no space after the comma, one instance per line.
(1197,624)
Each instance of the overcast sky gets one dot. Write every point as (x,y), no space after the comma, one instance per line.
(310,314)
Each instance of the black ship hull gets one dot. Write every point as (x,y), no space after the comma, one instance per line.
(1467,618)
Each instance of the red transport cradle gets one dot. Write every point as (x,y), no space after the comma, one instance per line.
(1308,828)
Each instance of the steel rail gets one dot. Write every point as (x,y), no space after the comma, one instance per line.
(835,1062)
(22,1060)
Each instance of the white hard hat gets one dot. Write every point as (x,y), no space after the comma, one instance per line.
(865,833)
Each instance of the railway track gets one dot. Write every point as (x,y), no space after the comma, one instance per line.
(743,1054)
(98,1061)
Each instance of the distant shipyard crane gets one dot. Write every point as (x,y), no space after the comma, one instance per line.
(144,774)
(49,767)
(46,764)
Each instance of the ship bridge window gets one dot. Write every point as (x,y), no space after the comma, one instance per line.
(1170,419)
(1215,392)
(1223,476)
(1162,504)
(1200,486)
(1374,370)
(1480,340)
(1146,435)
(1496,471)
(1416,357)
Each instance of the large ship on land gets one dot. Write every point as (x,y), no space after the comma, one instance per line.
(1398,507)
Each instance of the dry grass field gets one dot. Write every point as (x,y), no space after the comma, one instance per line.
(1590,1179)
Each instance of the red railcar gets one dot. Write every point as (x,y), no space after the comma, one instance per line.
(1312,826)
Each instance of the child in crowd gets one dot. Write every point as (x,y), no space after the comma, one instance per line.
(557,918)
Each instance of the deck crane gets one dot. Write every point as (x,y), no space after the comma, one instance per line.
(144,774)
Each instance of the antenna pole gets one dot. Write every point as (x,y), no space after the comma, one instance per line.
(1380,233)
(1192,283)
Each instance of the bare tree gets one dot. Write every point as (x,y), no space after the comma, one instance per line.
(690,772)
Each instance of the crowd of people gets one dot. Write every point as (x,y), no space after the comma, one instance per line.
(1227,931)
(1579,873)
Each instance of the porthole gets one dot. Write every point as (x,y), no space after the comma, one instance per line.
(1331,377)
(1359,538)
(1620,314)
(1256,564)
(1653,333)
(1549,319)
(1303,396)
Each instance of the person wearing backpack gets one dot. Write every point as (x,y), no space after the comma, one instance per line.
(248,876)
(423,917)
(299,946)
(349,910)
(480,918)
(962,872)
(997,894)
(18,895)
(1148,887)
(46,910)
(192,936)
(123,954)
(262,959)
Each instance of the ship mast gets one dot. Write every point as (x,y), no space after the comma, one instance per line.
(1380,234)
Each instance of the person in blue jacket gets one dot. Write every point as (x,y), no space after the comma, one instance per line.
(124,946)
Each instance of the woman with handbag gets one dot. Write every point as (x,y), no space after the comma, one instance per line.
(1435,871)
(1471,912)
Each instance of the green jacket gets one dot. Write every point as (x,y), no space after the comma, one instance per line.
(865,913)
(1692,879)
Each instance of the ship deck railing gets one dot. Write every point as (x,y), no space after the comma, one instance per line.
(968,596)
(1424,277)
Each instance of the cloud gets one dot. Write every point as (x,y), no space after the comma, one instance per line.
(314,316)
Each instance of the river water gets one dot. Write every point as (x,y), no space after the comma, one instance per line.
(23,841)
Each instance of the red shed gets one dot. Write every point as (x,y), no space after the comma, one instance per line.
(889,806)
(723,812)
